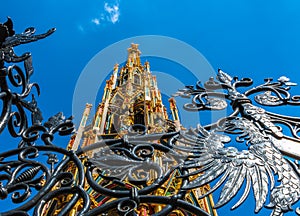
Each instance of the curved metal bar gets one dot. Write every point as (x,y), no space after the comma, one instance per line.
(76,191)
(171,202)
(5,114)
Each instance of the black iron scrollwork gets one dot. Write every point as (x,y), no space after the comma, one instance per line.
(18,79)
(25,178)
(139,173)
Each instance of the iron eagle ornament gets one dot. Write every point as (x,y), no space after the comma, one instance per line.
(37,174)
(264,159)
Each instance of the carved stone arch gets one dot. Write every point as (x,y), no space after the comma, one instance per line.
(137,79)
(138,109)
(125,78)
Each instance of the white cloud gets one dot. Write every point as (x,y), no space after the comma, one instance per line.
(110,13)
(113,11)
(96,21)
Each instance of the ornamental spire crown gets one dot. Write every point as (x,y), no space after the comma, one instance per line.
(133,55)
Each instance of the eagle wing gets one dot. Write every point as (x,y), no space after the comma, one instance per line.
(210,161)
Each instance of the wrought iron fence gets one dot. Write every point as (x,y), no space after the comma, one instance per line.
(43,178)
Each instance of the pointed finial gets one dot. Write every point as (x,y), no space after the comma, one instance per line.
(133,55)
(116,67)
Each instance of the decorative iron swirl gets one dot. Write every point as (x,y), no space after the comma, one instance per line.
(13,75)
(25,174)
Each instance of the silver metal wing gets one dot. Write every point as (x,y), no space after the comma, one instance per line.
(211,160)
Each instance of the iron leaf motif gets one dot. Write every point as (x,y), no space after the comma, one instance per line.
(118,167)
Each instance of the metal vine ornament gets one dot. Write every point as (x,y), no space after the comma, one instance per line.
(24,178)
(41,178)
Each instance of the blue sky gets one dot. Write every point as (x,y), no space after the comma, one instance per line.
(244,38)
